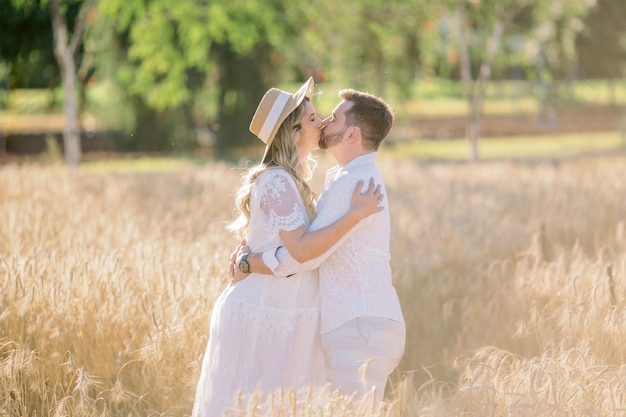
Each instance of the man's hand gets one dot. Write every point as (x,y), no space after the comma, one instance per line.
(368,202)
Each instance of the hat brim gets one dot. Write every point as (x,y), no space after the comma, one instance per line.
(305,91)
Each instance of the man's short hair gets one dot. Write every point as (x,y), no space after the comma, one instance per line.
(371,114)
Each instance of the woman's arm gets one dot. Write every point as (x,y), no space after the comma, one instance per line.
(304,245)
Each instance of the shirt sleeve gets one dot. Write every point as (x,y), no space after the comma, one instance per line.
(270,260)
(334,203)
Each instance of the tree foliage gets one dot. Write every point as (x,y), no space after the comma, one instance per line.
(26,43)
(601,45)
(175,49)
(183,66)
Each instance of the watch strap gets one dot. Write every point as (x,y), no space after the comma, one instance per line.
(243,264)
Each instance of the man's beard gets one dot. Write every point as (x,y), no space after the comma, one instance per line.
(328,141)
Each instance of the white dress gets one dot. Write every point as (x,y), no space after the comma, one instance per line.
(264,330)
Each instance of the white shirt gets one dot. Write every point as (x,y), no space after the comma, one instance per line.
(354,275)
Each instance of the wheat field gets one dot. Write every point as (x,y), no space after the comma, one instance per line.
(510,274)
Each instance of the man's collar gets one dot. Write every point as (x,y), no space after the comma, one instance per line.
(359,160)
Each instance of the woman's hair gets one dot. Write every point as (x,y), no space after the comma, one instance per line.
(282,153)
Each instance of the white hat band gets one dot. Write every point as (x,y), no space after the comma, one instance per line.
(273,115)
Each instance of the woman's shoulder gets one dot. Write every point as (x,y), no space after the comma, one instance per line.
(275,175)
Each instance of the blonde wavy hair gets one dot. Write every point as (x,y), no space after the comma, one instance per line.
(282,153)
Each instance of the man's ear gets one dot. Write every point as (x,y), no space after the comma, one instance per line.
(354,134)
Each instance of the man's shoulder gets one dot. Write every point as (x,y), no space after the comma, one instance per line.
(345,179)
(363,172)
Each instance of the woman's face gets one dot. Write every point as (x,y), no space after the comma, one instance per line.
(308,137)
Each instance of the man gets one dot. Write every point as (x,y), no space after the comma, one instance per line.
(362,327)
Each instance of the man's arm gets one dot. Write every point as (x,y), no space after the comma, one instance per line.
(334,203)
(305,245)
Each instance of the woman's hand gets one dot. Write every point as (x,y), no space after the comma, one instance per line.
(367,203)
(234,257)
(238,276)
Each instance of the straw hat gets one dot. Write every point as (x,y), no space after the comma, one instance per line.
(274,108)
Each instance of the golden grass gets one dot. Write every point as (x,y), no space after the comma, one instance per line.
(511,277)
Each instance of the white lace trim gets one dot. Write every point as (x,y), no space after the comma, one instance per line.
(271,320)
(276,223)
(281,203)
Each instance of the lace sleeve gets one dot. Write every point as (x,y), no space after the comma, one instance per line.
(281,203)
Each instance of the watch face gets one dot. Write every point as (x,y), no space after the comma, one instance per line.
(244,266)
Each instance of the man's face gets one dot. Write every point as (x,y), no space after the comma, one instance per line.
(335,126)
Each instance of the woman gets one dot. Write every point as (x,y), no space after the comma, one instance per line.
(264,331)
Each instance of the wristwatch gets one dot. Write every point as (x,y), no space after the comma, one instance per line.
(243,264)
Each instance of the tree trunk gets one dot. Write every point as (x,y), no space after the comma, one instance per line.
(612,91)
(471,124)
(5,131)
(473,133)
(464,60)
(64,51)
(71,131)
(480,86)
(475,90)
(623,127)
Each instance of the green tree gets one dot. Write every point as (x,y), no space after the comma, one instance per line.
(493,16)
(25,44)
(371,44)
(601,46)
(34,36)
(176,50)
(481,27)
(176,54)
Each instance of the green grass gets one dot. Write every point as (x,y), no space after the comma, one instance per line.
(430,97)
(499,148)
(433,97)
(458,107)
(518,147)
(144,164)
(435,102)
